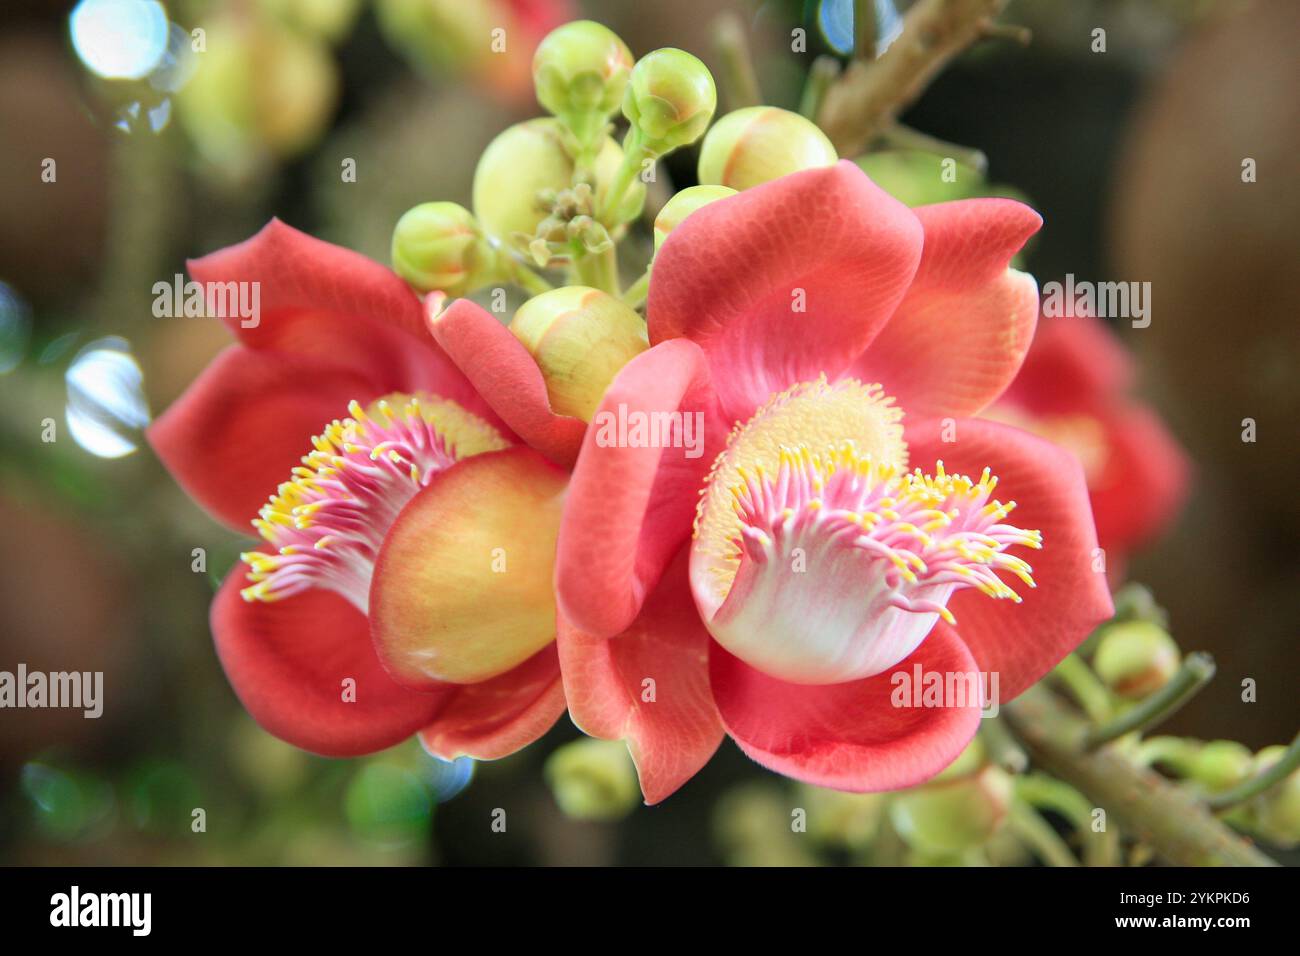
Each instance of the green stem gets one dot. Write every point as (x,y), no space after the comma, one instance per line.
(634,154)
(1083,685)
(1257,785)
(1173,753)
(599,270)
(739,78)
(1003,749)
(528,280)
(1039,836)
(821,75)
(1143,803)
(636,293)
(1100,847)
(1195,673)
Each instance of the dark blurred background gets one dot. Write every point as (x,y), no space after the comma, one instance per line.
(1132,156)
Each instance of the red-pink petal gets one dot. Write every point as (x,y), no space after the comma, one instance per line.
(245,422)
(298,273)
(540,17)
(498,716)
(732,275)
(672,735)
(1022,642)
(1075,363)
(324,302)
(506,376)
(961,332)
(630,508)
(288,663)
(848,736)
(1144,481)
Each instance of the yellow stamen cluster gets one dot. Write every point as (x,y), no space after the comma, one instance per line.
(328,520)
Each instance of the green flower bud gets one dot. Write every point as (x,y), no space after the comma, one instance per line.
(259,90)
(331,20)
(1220,765)
(1136,658)
(529,160)
(953,815)
(593,779)
(753,826)
(1277,809)
(682,205)
(437,34)
(916,178)
(669,100)
(580,338)
(761,143)
(438,245)
(847,820)
(580,71)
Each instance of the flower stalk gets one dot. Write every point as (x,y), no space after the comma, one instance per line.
(598,270)
(1253,787)
(739,78)
(1196,672)
(1156,811)
(872,93)
(636,293)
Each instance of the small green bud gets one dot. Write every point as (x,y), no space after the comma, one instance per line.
(1277,809)
(529,160)
(593,779)
(331,20)
(1136,602)
(260,89)
(754,826)
(438,245)
(1220,765)
(580,338)
(847,820)
(580,71)
(682,205)
(1136,658)
(955,814)
(669,100)
(761,143)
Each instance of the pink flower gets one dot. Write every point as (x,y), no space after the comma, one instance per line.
(842,339)
(1073,389)
(404,583)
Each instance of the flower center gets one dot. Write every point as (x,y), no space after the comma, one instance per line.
(328,521)
(832,562)
(816,414)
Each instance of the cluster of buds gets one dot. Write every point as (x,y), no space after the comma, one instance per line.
(559,191)
(1215,768)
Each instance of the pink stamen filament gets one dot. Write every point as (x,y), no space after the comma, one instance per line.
(923,530)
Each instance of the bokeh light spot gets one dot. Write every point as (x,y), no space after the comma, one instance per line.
(119,39)
(106,403)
